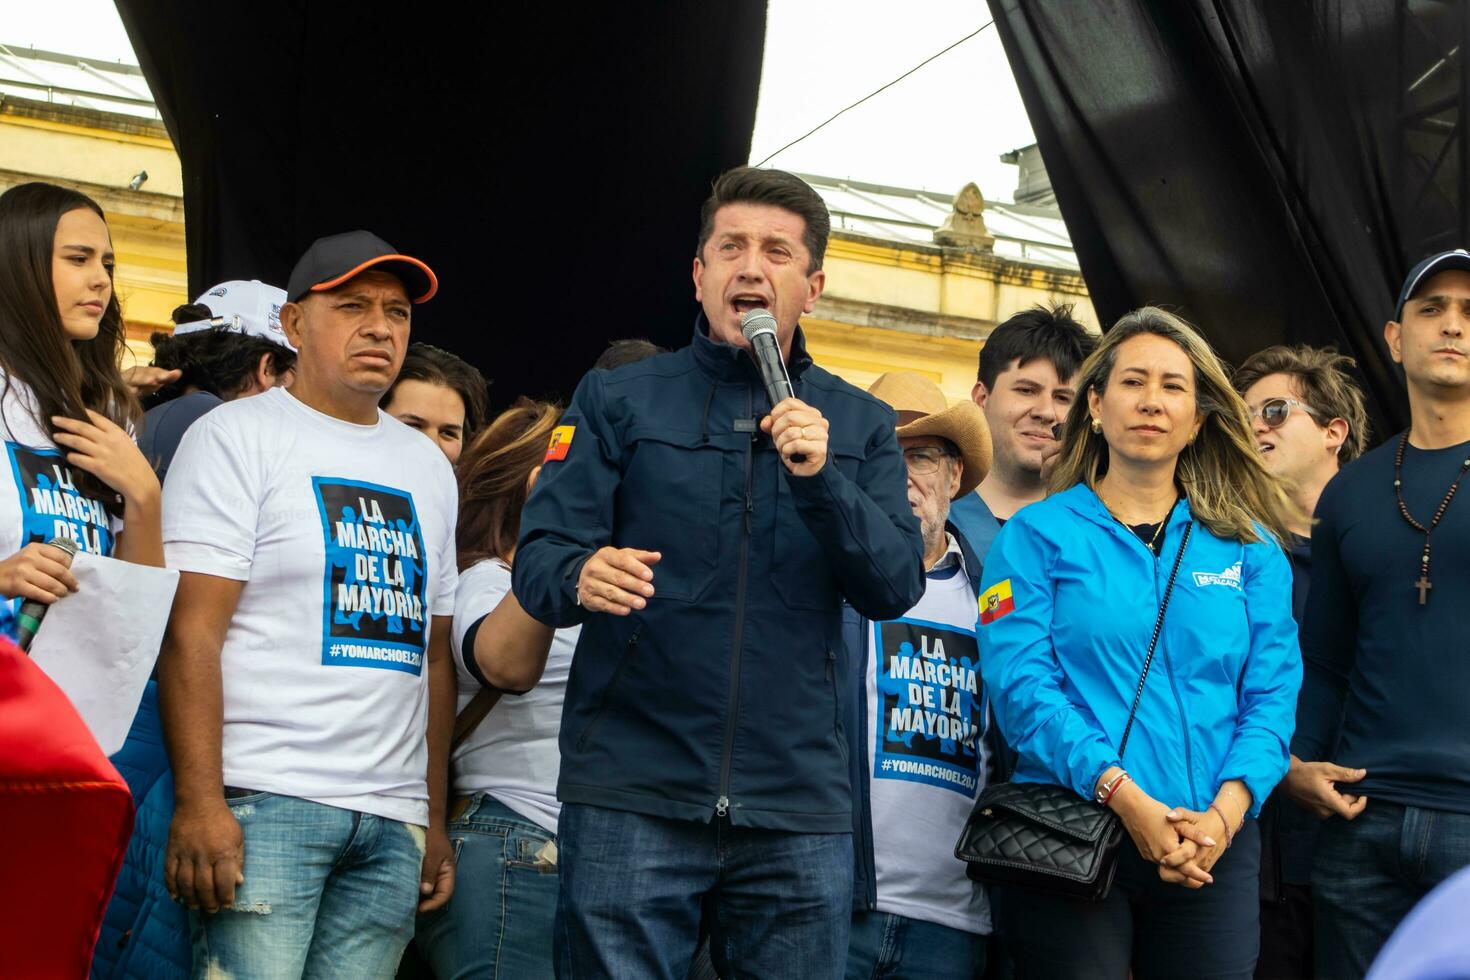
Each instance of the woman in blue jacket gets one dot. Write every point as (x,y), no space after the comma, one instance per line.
(1160,442)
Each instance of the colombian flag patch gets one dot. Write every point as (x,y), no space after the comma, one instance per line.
(561,441)
(996,602)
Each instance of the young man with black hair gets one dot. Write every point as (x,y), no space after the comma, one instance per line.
(1387,684)
(1025,387)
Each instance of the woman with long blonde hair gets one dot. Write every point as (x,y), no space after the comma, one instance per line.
(1163,531)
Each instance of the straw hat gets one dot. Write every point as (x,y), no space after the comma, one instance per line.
(923,411)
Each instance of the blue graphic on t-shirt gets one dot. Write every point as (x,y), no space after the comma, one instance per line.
(374,612)
(931,713)
(52,507)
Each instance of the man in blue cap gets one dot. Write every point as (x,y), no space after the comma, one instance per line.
(1387,688)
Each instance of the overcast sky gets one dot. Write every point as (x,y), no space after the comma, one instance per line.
(942,126)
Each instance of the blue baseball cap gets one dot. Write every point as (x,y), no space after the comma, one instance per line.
(1454,259)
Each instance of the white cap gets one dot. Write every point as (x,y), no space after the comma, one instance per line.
(252,308)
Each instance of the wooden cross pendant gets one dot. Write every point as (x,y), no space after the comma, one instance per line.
(1423,586)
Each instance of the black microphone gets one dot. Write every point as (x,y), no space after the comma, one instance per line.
(28,620)
(759,330)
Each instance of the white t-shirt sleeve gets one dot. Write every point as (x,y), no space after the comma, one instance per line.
(481,588)
(211,504)
(442,603)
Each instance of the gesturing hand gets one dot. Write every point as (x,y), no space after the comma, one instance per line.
(797,429)
(1313,785)
(145,379)
(617,580)
(39,572)
(101,447)
(205,859)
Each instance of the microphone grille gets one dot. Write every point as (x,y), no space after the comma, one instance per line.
(757,321)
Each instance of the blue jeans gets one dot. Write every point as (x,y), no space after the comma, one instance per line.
(633,888)
(894,947)
(1146,927)
(499,922)
(1372,870)
(327,893)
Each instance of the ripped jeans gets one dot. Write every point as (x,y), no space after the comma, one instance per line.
(328,893)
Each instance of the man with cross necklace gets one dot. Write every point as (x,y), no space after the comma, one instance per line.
(1386,692)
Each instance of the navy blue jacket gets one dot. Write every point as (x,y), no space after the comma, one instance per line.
(721,696)
(855,628)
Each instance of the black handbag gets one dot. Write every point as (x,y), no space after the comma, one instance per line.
(1047,838)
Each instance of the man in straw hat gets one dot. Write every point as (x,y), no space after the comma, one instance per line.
(918,722)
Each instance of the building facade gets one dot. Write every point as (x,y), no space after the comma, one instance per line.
(92,126)
(916,280)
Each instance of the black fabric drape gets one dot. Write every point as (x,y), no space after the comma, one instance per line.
(547,160)
(1262,166)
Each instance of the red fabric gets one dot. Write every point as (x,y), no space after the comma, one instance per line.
(65,818)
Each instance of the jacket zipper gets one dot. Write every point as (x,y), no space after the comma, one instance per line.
(1169,669)
(628,652)
(722,803)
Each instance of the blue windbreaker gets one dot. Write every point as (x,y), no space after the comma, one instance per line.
(1061,660)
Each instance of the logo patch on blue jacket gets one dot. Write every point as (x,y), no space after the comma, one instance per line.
(1230,578)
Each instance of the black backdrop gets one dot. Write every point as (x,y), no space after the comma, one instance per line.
(1269,168)
(547,159)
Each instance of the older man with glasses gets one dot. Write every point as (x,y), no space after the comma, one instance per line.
(1309,420)
(917,721)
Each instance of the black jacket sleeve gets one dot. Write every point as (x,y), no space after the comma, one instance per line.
(866,527)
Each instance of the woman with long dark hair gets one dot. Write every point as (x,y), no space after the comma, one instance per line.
(66,414)
(503,813)
(1160,495)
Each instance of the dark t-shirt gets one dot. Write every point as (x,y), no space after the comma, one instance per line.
(1395,672)
(164,425)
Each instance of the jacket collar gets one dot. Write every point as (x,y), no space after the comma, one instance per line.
(727,363)
(1084,501)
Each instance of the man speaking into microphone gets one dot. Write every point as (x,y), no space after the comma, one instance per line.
(705,540)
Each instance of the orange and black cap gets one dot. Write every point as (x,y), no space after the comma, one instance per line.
(333,260)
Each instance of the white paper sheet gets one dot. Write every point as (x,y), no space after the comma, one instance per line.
(100,643)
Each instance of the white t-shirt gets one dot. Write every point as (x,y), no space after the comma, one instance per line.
(927,715)
(512,754)
(344,537)
(40,500)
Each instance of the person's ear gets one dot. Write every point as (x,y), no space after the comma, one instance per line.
(265,371)
(956,473)
(1094,404)
(1393,335)
(698,276)
(1334,435)
(293,321)
(815,283)
(980,394)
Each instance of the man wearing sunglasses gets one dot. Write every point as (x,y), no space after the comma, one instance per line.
(1309,420)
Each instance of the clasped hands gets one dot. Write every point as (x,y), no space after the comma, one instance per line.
(1184,844)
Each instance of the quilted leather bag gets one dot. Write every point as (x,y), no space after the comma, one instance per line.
(1047,838)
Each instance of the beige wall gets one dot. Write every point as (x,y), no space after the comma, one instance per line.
(891,307)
